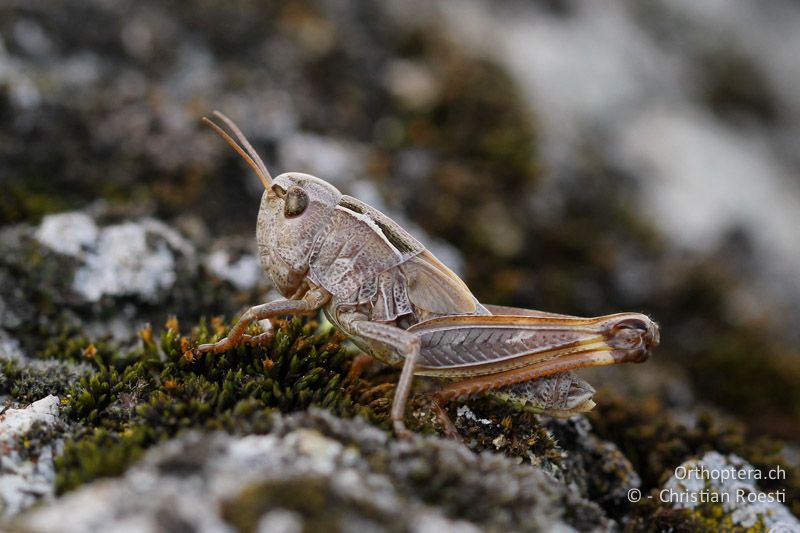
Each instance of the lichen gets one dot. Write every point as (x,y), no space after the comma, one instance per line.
(734,497)
(59,294)
(598,467)
(656,442)
(322,472)
(28,441)
(482,488)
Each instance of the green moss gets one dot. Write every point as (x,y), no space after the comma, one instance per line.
(8,374)
(501,428)
(101,453)
(650,515)
(28,382)
(311,496)
(136,400)
(24,202)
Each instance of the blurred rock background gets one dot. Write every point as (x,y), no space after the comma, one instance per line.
(571,157)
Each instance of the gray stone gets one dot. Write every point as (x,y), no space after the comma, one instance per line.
(730,482)
(27,477)
(356,475)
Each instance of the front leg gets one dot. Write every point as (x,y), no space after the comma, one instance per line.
(312,300)
(406,345)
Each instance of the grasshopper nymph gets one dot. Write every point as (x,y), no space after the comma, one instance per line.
(401,305)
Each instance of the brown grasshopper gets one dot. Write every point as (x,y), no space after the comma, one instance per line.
(401,305)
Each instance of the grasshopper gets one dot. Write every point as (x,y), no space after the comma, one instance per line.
(396,301)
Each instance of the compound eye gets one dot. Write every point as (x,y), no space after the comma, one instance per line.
(295,202)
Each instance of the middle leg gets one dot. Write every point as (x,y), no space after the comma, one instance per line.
(407,346)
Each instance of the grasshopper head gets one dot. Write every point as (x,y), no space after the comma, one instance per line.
(295,208)
(296,193)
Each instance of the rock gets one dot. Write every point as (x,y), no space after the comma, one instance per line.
(726,487)
(444,116)
(243,272)
(68,233)
(9,346)
(336,161)
(84,274)
(137,259)
(597,467)
(316,471)
(27,472)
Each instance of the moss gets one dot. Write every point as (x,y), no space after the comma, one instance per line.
(37,437)
(486,424)
(312,496)
(28,382)
(597,467)
(133,401)
(8,374)
(100,453)
(24,202)
(653,516)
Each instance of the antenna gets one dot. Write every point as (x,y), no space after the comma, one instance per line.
(247,153)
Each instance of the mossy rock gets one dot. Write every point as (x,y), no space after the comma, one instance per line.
(656,441)
(134,400)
